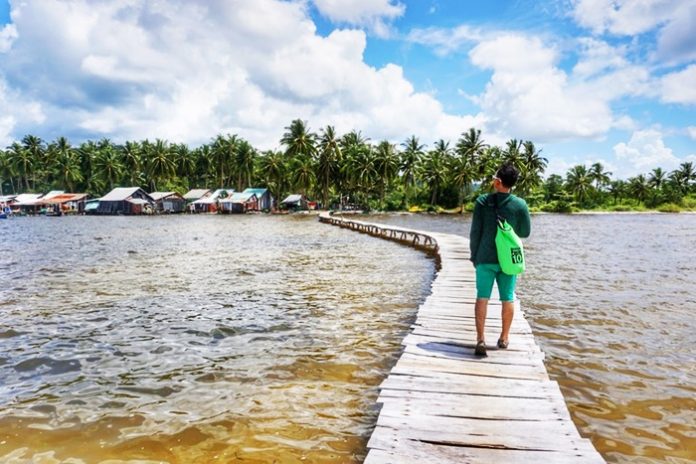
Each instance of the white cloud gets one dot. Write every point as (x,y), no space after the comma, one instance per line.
(8,34)
(674,20)
(132,70)
(645,151)
(691,130)
(596,56)
(529,96)
(680,87)
(445,41)
(373,14)
(625,17)
(676,42)
(14,111)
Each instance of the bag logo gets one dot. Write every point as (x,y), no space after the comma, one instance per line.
(516,255)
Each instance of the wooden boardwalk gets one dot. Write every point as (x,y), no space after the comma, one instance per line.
(441,404)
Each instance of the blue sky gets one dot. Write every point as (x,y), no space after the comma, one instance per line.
(610,81)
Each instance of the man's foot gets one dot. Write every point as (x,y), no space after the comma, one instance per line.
(480,348)
(503,344)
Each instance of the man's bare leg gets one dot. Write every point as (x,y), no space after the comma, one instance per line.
(480,310)
(507,314)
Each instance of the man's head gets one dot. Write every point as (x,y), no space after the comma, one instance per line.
(507,175)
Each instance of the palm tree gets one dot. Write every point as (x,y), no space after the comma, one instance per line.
(160,162)
(657,178)
(462,171)
(617,189)
(23,163)
(638,187)
(87,153)
(223,152)
(36,149)
(274,172)
(533,166)
(328,163)
(489,161)
(687,174)
(513,153)
(553,188)
(433,168)
(410,159)
(245,160)
(7,171)
(303,177)
(299,140)
(65,163)
(360,171)
(108,167)
(132,156)
(470,145)
(579,182)
(599,176)
(387,162)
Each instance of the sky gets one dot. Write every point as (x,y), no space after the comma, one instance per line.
(609,81)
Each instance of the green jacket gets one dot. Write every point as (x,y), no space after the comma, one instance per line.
(484,226)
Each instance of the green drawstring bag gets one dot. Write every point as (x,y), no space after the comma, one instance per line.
(509,247)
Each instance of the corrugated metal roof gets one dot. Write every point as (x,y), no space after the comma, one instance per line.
(52,193)
(27,199)
(292,199)
(258,191)
(120,193)
(195,194)
(239,197)
(160,195)
(64,198)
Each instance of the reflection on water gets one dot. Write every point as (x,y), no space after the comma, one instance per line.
(197,339)
(611,299)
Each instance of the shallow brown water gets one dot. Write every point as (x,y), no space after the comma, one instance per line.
(197,339)
(611,300)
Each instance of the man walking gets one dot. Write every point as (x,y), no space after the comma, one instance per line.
(485,257)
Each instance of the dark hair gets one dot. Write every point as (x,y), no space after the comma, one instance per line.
(508,175)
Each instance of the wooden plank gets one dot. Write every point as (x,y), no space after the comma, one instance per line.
(401,403)
(409,363)
(446,349)
(408,451)
(469,385)
(524,435)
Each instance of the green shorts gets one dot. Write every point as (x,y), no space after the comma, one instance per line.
(486,274)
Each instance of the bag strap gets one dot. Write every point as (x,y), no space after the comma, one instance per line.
(498,218)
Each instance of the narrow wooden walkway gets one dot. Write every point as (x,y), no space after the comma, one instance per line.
(441,404)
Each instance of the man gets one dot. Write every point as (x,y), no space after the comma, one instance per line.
(485,257)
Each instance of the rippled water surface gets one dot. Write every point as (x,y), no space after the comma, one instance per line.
(197,339)
(612,300)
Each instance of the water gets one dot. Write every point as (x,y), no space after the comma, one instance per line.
(262,339)
(198,338)
(611,300)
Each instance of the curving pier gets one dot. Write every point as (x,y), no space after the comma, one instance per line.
(441,404)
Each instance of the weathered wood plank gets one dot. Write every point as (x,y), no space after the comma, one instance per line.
(408,451)
(469,385)
(409,362)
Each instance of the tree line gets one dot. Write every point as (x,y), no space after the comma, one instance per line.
(336,169)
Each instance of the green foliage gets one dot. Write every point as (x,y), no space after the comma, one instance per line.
(669,208)
(557,206)
(340,170)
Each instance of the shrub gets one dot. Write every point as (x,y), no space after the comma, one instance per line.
(557,206)
(669,208)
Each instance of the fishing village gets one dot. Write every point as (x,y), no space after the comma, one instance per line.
(135,201)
